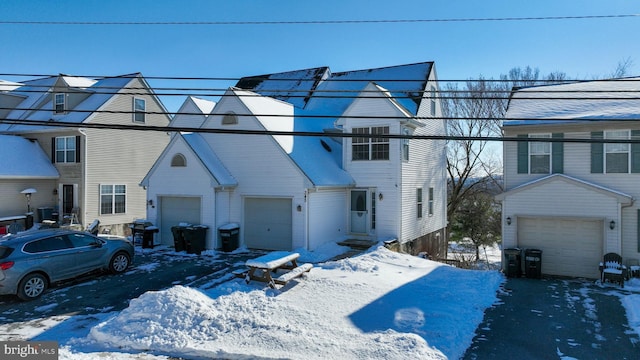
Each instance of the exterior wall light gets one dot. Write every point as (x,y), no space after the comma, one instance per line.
(508,220)
(612,224)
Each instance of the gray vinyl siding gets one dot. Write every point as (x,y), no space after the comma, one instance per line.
(14,203)
(122,157)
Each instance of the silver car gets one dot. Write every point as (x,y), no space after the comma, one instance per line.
(31,261)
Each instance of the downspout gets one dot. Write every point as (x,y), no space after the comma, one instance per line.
(83,158)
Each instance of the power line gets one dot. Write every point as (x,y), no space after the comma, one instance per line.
(316,22)
(322,134)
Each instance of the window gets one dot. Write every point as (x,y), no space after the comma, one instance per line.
(430,202)
(58,104)
(49,244)
(539,155)
(373,210)
(82,240)
(617,154)
(433,101)
(229,119)
(113,199)
(139,109)
(65,149)
(405,145)
(419,202)
(178,160)
(370,148)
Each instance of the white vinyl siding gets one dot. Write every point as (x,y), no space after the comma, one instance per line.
(326,224)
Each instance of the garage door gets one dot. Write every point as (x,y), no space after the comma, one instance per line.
(176,210)
(569,247)
(267,223)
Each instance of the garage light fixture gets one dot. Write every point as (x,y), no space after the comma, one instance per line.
(508,220)
(612,225)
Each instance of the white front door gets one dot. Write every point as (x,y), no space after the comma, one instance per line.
(359,212)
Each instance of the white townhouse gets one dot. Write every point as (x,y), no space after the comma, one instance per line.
(92,173)
(297,191)
(575,196)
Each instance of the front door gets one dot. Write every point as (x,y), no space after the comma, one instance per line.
(67,199)
(359,213)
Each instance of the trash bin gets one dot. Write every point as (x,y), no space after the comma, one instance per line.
(512,262)
(178,237)
(229,234)
(137,230)
(195,238)
(147,236)
(533,263)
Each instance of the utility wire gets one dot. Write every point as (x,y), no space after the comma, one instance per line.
(320,134)
(319,22)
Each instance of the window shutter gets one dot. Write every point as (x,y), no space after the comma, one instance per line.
(557,153)
(597,153)
(523,155)
(635,152)
(638,223)
(78,148)
(53,150)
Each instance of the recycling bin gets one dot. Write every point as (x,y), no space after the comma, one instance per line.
(512,262)
(178,237)
(533,263)
(229,235)
(195,238)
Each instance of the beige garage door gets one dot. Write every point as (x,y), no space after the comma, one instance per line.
(175,210)
(267,223)
(569,247)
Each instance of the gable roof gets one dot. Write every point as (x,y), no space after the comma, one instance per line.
(619,196)
(598,100)
(24,159)
(38,104)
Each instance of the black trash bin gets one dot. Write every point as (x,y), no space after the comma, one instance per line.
(533,263)
(229,234)
(137,231)
(178,237)
(195,238)
(512,262)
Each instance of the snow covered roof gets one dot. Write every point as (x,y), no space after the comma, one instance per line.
(614,99)
(203,105)
(209,159)
(38,104)
(24,159)
(8,85)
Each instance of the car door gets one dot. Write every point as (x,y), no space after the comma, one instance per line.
(89,253)
(51,255)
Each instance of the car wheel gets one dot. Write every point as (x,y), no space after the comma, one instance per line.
(119,263)
(32,286)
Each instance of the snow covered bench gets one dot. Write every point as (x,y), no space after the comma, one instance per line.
(260,268)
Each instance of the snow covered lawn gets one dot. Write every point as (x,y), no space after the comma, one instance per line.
(380,305)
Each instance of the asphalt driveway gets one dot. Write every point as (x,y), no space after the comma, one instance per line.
(555,319)
(152,269)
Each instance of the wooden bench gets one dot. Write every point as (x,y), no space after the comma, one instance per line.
(260,268)
(611,269)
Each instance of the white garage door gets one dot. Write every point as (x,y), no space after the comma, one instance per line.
(569,247)
(267,223)
(176,210)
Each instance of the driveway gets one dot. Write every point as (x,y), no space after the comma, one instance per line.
(555,319)
(152,269)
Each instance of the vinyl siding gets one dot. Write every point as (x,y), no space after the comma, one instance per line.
(328,222)
(122,156)
(14,203)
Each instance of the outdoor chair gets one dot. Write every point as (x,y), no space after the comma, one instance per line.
(633,268)
(611,269)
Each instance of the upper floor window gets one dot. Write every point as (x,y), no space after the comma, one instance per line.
(433,100)
(540,157)
(65,148)
(370,148)
(113,199)
(178,160)
(229,119)
(614,158)
(430,202)
(59,103)
(139,109)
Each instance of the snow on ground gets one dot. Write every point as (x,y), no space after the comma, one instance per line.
(380,304)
